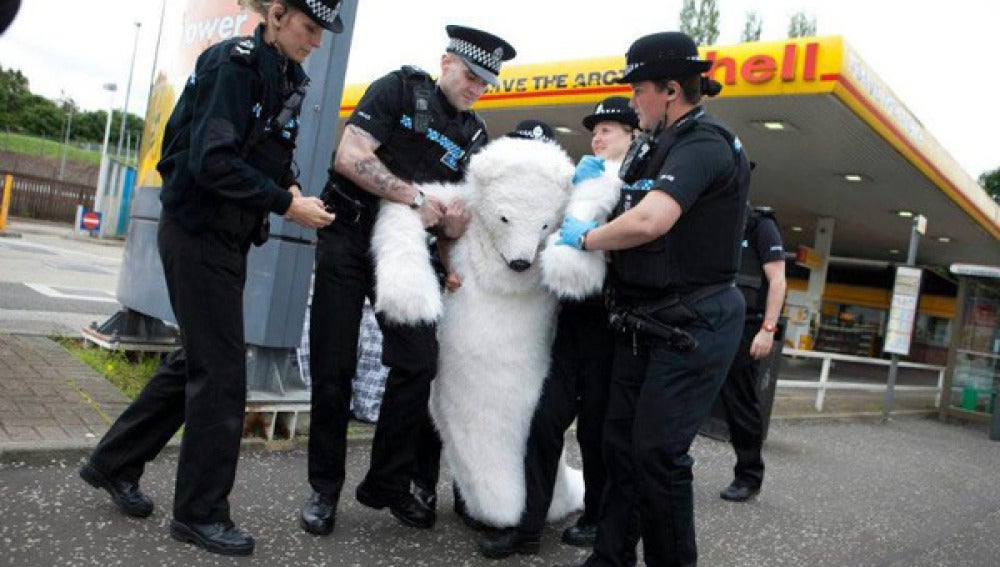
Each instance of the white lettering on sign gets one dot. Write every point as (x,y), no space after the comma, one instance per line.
(214,29)
(895,109)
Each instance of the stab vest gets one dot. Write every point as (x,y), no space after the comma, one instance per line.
(652,270)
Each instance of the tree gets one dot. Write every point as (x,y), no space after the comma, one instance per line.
(751,30)
(801,26)
(701,23)
(14,92)
(990,180)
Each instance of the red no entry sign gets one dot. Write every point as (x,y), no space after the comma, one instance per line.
(91,221)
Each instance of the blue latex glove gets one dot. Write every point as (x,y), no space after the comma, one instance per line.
(572,229)
(588,168)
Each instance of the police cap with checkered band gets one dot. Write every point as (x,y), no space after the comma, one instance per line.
(483,52)
(612,109)
(665,55)
(533,130)
(326,13)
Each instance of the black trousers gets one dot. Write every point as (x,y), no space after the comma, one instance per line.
(741,401)
(202,385)
(657,400)
(576,387)
(344,276)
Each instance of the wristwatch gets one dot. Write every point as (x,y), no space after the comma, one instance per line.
(581,243)
(418,201)
(769,327)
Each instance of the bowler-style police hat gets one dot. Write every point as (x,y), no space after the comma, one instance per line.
(326,13)
(665,55)
(533,130)
(483,52)
(612,109)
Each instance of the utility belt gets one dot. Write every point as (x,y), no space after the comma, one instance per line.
(666,317)
(346,206)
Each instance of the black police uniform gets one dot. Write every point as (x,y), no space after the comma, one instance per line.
(417,147)
(739,395)
(659,395)
(225,166)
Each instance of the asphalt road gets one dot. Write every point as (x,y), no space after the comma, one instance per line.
(53,284)
(914,493)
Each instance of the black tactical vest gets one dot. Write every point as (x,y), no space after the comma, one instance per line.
(653,270)
(751,279)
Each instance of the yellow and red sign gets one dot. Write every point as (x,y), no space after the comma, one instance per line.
(808,257)
(186,34)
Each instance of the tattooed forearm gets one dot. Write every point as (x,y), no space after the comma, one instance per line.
(385,182)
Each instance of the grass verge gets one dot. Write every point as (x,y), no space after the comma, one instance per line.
(128,371)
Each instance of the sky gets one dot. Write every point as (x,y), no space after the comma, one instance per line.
(939,59)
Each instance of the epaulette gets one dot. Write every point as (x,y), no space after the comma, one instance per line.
(244,51)
(412,72)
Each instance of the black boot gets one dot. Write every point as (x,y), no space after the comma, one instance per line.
(219,537)
(404,507)
(739,492)
(319,514)
(509,541)
(126,495)
(580,535)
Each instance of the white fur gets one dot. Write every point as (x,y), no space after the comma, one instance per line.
(572,273)
(496,330)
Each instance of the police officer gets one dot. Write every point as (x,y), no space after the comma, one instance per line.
(675,249)
(762,281)
(577,384)
(406,129)
(226,165)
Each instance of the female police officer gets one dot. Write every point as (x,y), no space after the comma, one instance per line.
(226,165)
(675,250)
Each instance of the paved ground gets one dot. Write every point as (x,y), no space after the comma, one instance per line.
(914,493)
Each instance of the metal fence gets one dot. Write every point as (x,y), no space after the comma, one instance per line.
(48,199)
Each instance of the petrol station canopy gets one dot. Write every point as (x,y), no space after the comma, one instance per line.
(829,137)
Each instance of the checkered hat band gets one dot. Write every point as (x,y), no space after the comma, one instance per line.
(477,54)
(633,66)
(532,135)
(322,11)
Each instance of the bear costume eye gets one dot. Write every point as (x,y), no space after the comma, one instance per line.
(504,219)
(545,227)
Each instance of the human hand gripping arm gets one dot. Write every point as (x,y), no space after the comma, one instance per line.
(763,341)
(651,218)
(356,160)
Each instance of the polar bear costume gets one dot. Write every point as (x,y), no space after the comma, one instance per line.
(496,330)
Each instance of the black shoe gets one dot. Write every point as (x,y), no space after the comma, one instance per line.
(220,537)
(404,508)
(126,495)
(426,497)
(739,492)
(580,535)
(319,513)
(508,542)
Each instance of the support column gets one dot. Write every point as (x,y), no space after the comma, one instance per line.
(817,276)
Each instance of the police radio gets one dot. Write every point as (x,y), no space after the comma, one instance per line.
(635,158)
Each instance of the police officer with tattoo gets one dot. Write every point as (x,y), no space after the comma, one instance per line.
(762,281)
(407,129)
(674,240)
(227,164)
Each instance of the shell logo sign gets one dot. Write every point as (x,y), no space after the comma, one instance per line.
(187,33)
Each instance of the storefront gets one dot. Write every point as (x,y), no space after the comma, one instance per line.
(974,353)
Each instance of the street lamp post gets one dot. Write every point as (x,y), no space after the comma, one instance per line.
(102,175)
(69,126)
(128,91)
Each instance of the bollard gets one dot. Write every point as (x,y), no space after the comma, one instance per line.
(8,186)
